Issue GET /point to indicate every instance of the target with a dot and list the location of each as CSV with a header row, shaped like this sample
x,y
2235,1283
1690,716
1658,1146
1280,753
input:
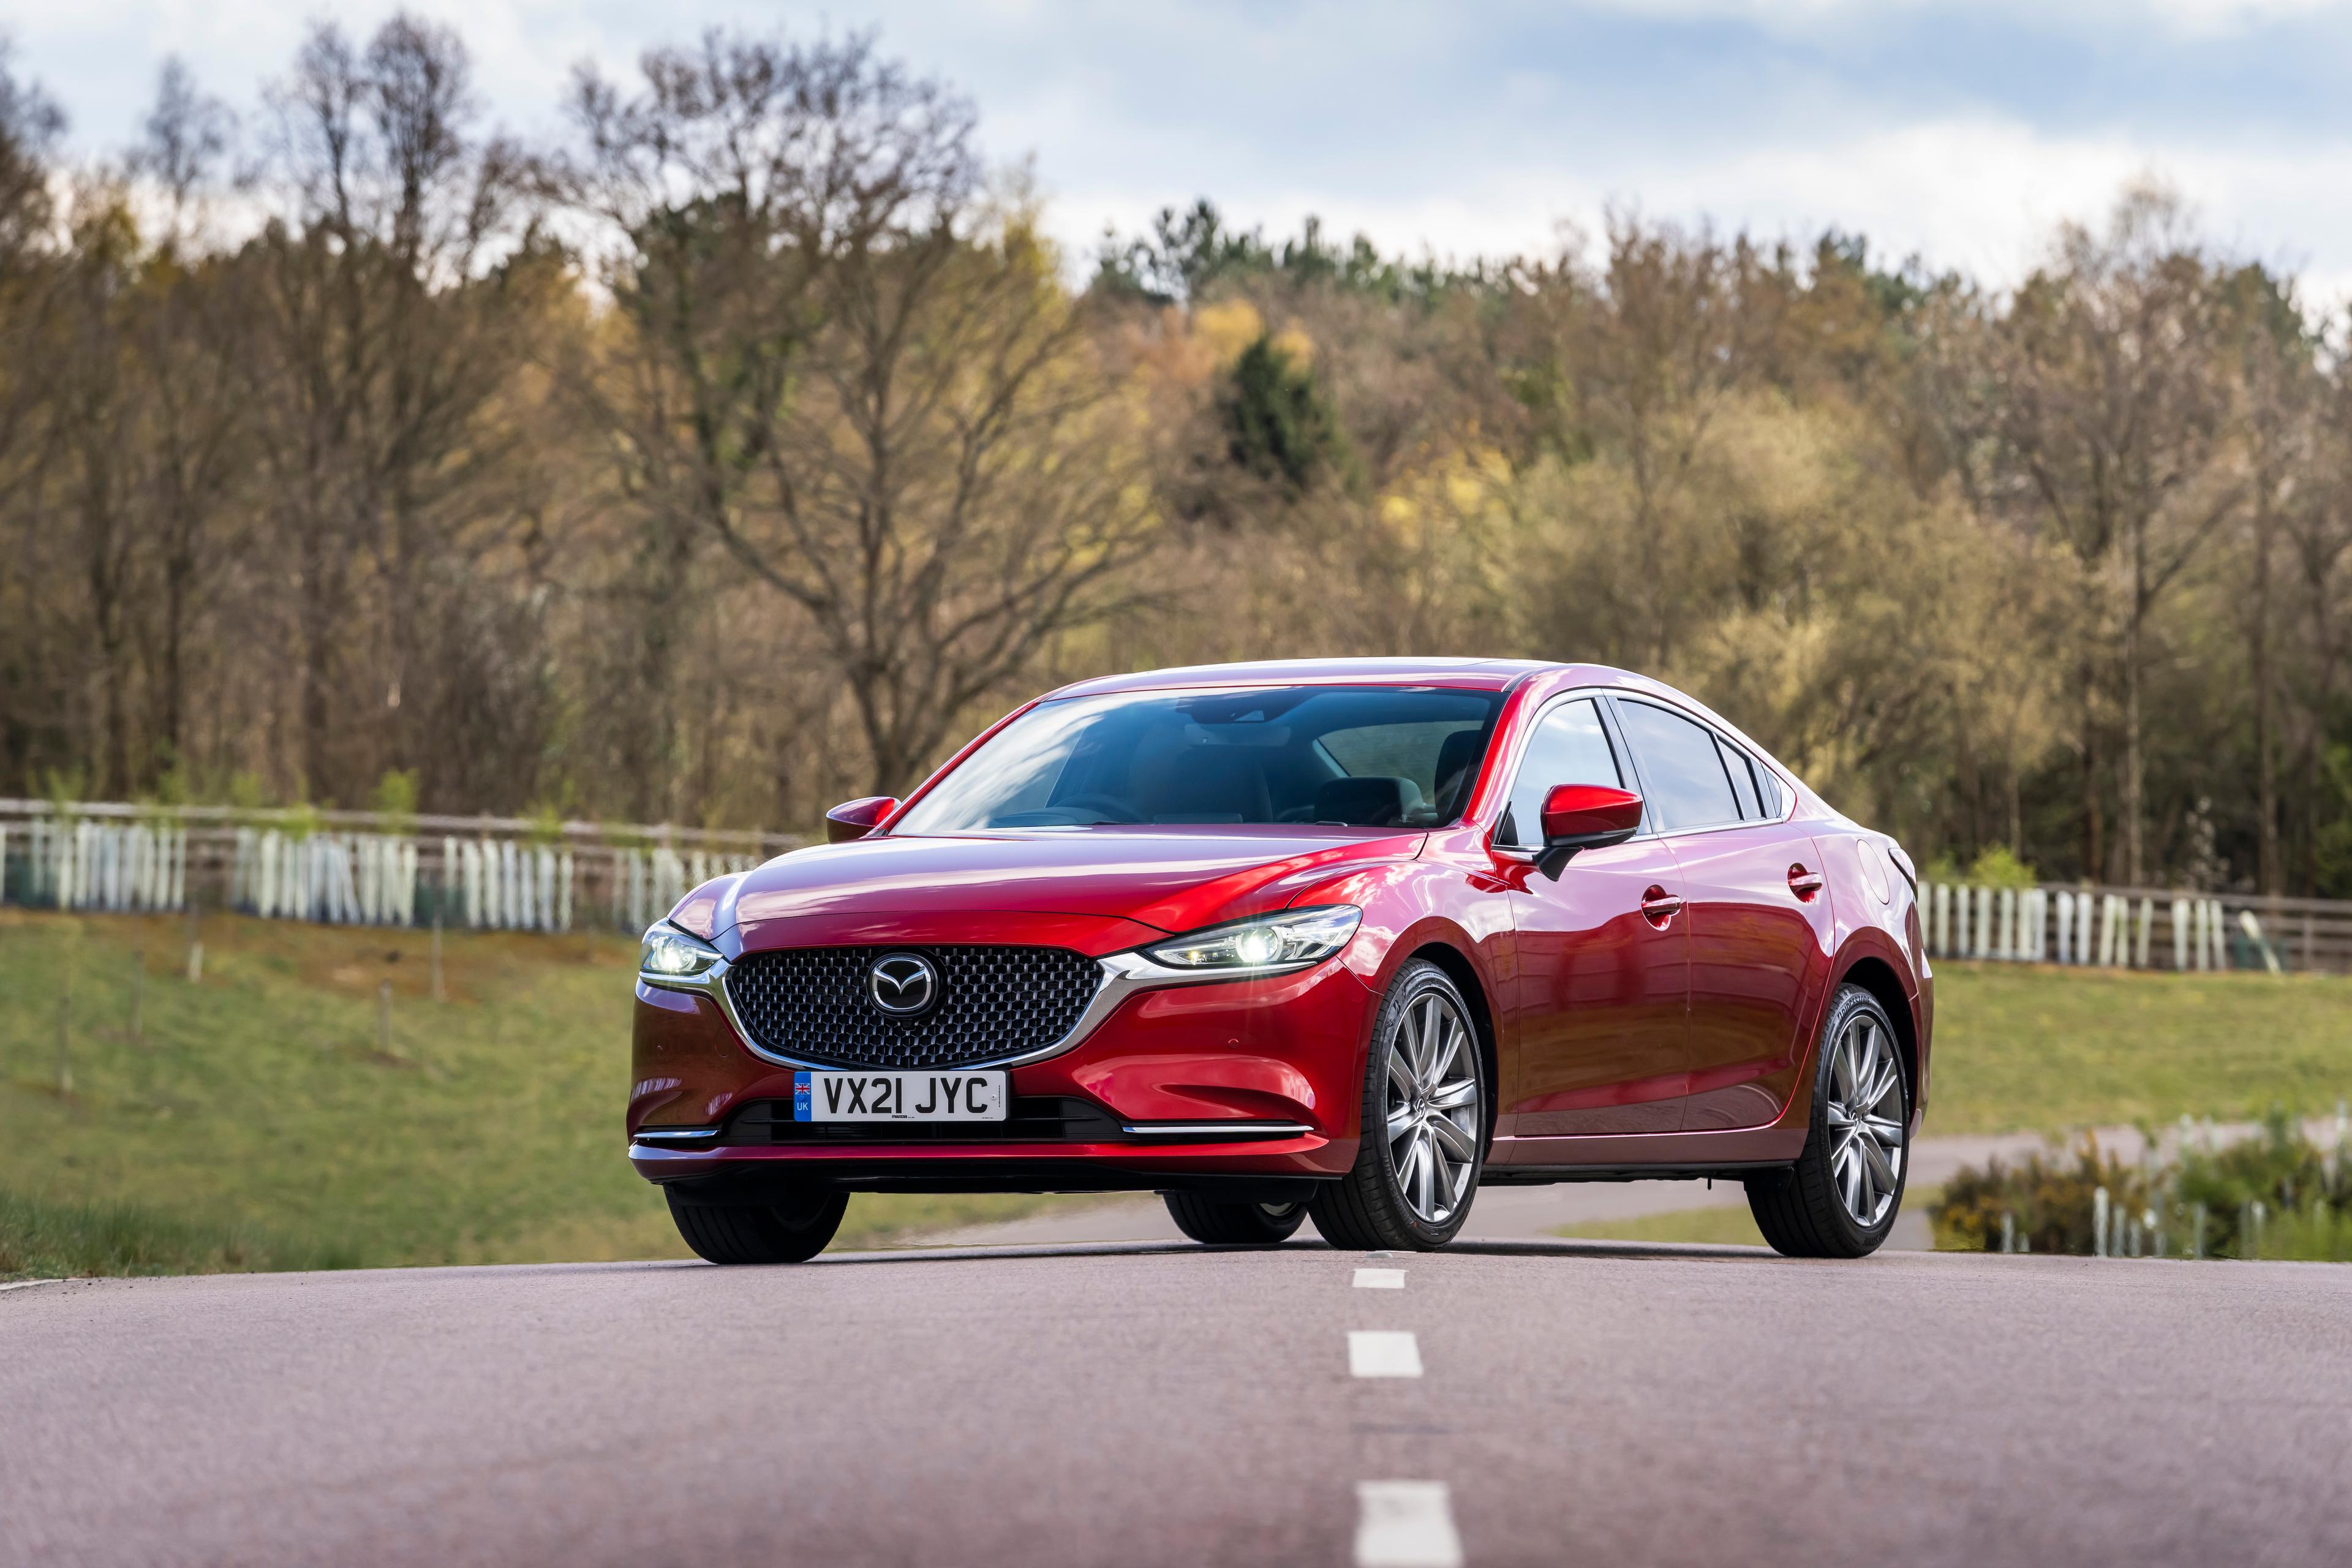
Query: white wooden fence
x,y
2126,928
495,874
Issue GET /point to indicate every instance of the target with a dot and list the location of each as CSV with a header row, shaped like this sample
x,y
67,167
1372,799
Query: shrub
x,y
2304,1193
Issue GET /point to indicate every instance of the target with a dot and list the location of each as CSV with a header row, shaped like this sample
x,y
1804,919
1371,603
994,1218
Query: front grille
x,y
1034,1119
812,1003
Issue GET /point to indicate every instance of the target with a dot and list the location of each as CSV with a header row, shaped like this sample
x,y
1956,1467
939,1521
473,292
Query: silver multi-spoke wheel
x,y
1433,1115
1865,1120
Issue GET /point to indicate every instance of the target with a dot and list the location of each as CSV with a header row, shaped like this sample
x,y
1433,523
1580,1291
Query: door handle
x,y
1659,907
1804,883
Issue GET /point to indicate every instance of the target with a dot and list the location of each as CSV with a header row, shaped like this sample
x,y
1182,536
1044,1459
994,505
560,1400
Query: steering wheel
x,y
1109,807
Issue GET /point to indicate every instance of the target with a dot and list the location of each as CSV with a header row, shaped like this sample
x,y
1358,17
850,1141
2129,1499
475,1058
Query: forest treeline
x,y
747,444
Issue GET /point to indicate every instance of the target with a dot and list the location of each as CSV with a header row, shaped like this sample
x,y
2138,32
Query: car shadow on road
x,y
1638,1251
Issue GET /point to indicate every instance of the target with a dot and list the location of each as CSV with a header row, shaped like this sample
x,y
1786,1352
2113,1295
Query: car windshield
x,y
1353,756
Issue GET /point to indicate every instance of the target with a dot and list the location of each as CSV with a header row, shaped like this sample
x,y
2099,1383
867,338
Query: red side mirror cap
x,y
1586,816
856,819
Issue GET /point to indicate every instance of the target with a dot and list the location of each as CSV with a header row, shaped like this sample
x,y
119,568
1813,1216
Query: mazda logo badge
x,y
902,983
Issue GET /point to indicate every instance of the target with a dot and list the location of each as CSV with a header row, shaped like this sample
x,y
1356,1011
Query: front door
x,y
1599,986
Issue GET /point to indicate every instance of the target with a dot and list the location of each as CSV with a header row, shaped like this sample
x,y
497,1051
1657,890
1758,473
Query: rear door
x,y
1599,986
1756,905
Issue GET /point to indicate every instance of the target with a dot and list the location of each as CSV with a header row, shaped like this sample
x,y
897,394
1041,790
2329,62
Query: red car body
x,y
1650,1011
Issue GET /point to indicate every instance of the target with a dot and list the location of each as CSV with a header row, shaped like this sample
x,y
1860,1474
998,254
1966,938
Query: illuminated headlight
x,y
671,952
1278,941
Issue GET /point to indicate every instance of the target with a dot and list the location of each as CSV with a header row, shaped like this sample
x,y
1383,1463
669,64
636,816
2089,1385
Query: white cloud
x,y
1961,130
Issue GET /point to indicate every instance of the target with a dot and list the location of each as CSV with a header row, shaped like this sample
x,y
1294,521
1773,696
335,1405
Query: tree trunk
x,y
2269,869
2135,759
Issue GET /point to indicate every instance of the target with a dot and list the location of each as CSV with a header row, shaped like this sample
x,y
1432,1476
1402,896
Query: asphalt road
x,y
1576,1402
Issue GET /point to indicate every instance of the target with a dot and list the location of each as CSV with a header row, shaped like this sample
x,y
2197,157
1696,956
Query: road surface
x,y
1551,1403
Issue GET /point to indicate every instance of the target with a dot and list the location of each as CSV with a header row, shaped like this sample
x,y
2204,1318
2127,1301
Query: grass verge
x,y
2036,1048
257,1120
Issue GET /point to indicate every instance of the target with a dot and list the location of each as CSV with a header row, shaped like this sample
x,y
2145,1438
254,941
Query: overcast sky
x,y
1958,130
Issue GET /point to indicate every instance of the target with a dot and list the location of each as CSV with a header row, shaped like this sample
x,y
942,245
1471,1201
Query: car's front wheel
x,y
1424,1112
1233,1225
1840,1198
792,1230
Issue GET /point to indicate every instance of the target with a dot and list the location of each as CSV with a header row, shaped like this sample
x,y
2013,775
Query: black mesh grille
x,y
1041,1119
812,1003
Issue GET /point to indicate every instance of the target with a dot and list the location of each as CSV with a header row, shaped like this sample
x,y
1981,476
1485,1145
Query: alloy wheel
x,y
1434,1114
1865,1121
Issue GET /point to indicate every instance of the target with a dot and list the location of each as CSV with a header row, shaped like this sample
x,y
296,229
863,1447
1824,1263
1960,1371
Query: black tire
x,y
793,1231
1233,1225
1807,1209
1369,1208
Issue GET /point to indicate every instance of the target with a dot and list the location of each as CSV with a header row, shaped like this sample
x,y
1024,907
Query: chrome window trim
x,y
1123,975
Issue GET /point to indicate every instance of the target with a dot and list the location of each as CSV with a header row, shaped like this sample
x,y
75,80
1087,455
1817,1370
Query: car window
x,y
1687,784
1568,746
1349,756
1743,781
1767,790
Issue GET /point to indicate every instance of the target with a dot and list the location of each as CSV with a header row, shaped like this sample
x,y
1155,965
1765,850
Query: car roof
x,y
1469,674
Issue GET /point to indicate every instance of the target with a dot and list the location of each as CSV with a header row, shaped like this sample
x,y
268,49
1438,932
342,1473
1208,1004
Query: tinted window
x,y
1357,756
1743,783
1767,790
1687,784
1568,747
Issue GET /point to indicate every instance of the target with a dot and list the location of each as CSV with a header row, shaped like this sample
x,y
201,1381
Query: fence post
x,y
2145,926
2099,1222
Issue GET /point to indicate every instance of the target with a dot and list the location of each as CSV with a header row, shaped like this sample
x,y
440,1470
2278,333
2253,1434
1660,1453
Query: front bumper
x,y
1202,1085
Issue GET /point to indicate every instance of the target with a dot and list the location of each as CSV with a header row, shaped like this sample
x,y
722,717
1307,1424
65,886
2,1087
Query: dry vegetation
x,y
743,449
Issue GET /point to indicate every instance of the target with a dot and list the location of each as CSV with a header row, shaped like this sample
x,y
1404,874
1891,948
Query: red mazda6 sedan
x,y
1347,939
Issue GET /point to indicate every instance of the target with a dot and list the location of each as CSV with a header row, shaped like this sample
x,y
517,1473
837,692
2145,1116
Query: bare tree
x,y
392,305
2116,405
857,377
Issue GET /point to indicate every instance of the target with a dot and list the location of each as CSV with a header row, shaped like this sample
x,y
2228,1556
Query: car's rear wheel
x,y
1841,1197
792,1230
1233,1225
1424,1113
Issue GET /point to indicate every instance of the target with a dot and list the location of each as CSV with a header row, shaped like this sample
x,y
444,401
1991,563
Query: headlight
x,y
1277,942
671,952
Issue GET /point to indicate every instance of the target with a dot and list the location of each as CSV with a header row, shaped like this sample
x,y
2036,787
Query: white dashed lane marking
x,y
1382,1353
1379,1279
1405,1524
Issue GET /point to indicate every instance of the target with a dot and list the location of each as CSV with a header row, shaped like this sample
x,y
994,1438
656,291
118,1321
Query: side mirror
x,y
1585,816
855,819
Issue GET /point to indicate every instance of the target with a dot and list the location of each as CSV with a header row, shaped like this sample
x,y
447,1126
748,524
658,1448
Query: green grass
x,y
1720,1226
50,1240
255,1123
2033,1048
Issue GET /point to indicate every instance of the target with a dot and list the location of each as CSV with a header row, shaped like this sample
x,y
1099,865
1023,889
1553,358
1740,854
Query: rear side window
x,y
1688,784
1568,746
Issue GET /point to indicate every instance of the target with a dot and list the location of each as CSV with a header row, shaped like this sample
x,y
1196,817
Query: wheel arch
x,y
1874,973
1467,979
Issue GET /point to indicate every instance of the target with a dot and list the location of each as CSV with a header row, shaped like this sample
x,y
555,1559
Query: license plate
x,y
897,1097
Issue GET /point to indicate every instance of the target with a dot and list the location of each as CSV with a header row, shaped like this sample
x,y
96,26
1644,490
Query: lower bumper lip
x,y
666,1137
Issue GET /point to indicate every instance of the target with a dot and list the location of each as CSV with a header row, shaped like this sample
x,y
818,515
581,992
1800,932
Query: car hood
x,y
1154,879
